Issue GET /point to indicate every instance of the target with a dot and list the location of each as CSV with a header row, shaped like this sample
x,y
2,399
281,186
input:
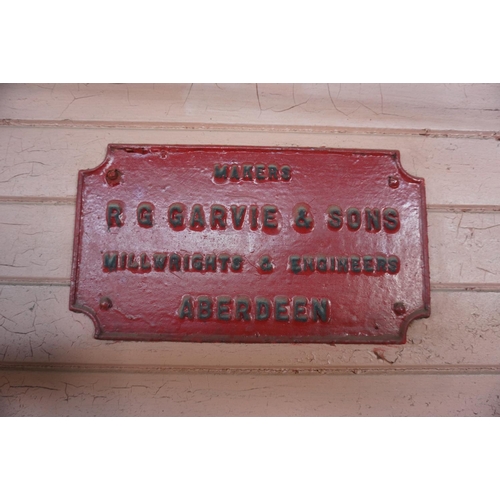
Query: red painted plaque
x,y
246,244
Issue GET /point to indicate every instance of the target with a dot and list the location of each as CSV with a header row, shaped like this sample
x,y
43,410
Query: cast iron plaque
x,y
246,244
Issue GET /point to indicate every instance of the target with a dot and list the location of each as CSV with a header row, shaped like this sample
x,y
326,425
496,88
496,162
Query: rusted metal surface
x,y
242,244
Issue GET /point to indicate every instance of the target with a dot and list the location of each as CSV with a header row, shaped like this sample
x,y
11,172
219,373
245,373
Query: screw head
x,y
399,308
393,182
113,176
105,303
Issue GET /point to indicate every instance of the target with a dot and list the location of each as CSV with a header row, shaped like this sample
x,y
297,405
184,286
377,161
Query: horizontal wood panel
x,y
45,162
38,240
26,393
36,326
415,106
464,247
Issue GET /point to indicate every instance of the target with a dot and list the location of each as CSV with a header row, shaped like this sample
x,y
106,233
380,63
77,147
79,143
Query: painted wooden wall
x,y
50,363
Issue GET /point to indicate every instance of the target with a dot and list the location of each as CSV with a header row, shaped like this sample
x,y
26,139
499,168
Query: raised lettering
x,y
302,218
368,264
280,310
319,310
159,261
238,213
372,219
235,174
197,262
204,307
321,264
253,217
334,220
247,172
174,263
332,263
269,213
263,309
381,264
266,264
145,214
223,312
308,263
145,262
342,264
286,172
217,217
391,219
123,260
223,259
295,264
273,172
114,214
176,216
393,264
210,263
355,264
132,264
241,309
186,308
197,222
109,261
299,309
236,263
353,218
220,172
260,172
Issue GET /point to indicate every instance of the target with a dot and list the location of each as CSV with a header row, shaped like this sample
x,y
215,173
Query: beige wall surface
x,y
50,364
